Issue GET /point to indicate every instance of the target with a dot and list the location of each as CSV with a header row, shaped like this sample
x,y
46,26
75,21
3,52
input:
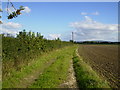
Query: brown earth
x,y
103,59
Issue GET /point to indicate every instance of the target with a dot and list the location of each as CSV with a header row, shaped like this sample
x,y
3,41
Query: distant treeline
x,y
97,42
26,46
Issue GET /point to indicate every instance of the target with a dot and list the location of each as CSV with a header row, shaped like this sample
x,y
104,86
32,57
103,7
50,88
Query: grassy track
x,y
86,77
57,71
53,76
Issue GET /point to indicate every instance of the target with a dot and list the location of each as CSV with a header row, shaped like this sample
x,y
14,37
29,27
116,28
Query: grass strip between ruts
x,y
53,76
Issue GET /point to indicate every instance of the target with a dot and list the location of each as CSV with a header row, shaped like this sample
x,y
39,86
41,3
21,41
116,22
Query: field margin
x,y
85,75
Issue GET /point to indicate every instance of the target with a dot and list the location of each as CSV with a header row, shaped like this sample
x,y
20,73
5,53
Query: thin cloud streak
x,y
93,13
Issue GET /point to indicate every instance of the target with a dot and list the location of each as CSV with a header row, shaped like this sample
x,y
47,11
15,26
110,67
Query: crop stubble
x,y
103,59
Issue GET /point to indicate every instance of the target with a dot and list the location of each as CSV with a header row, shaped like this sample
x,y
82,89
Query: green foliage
x,y
20,50
71,41
22,8
1,10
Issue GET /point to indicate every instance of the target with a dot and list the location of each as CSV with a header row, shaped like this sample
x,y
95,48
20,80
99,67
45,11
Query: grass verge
x,y
86,77
57,73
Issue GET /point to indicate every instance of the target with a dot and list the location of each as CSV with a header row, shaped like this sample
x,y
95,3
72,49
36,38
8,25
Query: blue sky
x,y
53,19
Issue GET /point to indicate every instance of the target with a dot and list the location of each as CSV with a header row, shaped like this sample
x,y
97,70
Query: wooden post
x,y
72,36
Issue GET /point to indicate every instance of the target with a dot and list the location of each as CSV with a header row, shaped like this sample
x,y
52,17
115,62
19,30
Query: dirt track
x,y
28,80
103,59
71,79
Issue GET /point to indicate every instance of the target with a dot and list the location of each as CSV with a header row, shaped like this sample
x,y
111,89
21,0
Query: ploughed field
x,y
103,59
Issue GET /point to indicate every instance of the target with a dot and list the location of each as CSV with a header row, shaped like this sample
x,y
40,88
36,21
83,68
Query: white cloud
x,y
93,30
27,9
10,28
11,25
4,30
93,13
83,13
54,36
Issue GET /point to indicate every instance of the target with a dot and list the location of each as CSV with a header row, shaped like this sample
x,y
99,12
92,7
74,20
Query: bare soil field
x,y
103,59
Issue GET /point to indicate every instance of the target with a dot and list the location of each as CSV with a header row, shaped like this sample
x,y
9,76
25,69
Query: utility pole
x,y
72,36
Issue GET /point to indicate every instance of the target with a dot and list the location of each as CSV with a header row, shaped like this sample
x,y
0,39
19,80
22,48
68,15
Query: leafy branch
x,y
16,13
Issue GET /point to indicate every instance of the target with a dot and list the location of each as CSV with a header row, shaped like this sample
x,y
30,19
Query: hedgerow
x,y
25,47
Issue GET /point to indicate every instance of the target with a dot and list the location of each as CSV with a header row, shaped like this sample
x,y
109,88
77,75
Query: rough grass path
x,y
71,79
57,73
28,80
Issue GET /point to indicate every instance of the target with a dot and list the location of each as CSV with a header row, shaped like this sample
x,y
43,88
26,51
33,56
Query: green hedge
x,y
26,46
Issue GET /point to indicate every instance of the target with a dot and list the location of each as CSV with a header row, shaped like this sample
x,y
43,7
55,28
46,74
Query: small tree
x,y
58,39
71,41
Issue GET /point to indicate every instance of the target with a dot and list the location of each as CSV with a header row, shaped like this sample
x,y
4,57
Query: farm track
x,y
28,80
71,79
103,59
59,74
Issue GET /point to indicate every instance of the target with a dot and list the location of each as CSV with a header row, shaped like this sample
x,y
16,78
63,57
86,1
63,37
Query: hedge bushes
x,y
20,50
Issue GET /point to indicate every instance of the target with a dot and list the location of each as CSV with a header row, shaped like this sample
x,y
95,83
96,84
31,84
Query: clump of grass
x,y
86,77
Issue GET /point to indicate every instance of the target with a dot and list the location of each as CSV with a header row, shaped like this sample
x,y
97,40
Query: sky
x,y
87,20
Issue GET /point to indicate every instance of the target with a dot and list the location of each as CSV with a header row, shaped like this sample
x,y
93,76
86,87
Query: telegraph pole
x,y
72,36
